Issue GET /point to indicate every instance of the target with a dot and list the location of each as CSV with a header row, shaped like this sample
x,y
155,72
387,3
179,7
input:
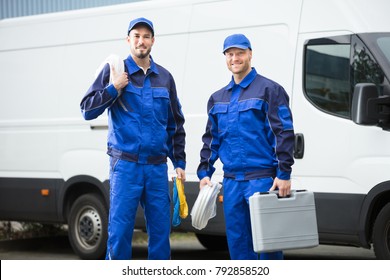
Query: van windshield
x,y
379,45
384,45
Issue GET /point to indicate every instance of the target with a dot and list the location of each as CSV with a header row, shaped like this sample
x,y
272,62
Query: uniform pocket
x,y
285,118
252,114
130,99
161,105
219,113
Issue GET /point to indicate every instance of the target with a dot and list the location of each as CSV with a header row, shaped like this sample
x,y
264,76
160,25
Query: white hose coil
x,y
115,62
205,206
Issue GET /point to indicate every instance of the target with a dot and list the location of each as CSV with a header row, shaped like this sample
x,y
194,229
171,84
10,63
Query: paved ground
x,y
184,247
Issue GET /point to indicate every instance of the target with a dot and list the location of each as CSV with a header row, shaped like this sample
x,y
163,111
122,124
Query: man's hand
x,y
205,181
181,174
284,186
119,80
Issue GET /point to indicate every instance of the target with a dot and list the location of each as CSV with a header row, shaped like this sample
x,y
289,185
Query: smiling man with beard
x,y
145,127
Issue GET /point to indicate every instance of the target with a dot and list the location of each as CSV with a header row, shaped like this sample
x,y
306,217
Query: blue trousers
x,y
237,218
132,184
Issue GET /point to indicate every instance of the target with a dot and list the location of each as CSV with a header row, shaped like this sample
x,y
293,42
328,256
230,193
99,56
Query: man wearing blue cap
x,y
145,127
250,129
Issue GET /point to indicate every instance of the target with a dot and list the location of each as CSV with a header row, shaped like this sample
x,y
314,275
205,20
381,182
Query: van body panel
x,y
311,48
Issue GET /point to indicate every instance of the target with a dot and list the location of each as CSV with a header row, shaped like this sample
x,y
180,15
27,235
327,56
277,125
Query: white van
x,y
332,57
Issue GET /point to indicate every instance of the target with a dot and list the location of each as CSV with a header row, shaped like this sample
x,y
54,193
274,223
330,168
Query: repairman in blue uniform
x,y
145,127
250,129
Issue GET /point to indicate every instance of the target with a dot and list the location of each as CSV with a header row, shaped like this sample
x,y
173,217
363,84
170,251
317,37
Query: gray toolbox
x,y
283,223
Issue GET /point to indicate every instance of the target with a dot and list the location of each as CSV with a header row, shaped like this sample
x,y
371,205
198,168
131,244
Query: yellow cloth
x,y
183,213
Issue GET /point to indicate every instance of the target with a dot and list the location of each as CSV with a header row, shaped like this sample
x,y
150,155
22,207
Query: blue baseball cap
x,y
236,41
142,21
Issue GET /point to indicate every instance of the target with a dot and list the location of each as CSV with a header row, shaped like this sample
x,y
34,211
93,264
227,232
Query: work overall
x,y
145,127
130,184
250,129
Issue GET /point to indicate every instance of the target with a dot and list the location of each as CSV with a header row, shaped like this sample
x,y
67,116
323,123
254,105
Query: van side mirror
x,y
362,93
368,108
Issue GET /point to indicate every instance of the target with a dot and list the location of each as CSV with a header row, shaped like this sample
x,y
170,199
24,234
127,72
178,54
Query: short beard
x,y
142,55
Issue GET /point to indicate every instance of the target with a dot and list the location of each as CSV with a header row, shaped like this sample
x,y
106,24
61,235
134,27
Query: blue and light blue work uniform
x,y
145,126
250,129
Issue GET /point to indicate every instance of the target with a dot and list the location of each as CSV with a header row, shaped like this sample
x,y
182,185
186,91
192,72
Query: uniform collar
x,y
246,81
132,67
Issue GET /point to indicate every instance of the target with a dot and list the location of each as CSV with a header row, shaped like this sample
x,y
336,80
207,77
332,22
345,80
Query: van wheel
x,y
87,224
213,242
381,234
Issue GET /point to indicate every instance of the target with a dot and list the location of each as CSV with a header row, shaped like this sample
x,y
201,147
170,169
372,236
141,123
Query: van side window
x,y
333,66
327,78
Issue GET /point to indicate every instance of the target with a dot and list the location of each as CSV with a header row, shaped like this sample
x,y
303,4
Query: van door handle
x,y
299,146
99,127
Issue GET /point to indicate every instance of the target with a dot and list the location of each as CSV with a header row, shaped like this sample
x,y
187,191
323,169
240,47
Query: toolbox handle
x,y
281,197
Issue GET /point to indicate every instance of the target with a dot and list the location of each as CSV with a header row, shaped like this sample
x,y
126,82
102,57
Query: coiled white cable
x,y
115,62
205,206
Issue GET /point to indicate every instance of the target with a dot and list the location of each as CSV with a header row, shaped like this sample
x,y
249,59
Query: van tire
x,y
213,242
88,223
381,234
